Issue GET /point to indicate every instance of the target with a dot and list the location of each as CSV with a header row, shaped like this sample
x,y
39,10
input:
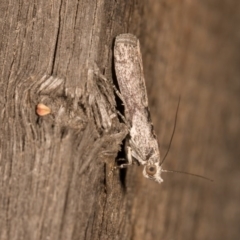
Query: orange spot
x,y
42,109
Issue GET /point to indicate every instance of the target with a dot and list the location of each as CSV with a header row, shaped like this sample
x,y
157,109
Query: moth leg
x,y
118,93
124,165
124,120
129,159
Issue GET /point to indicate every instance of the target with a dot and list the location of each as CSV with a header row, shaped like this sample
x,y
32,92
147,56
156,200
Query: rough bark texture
x,y
56,180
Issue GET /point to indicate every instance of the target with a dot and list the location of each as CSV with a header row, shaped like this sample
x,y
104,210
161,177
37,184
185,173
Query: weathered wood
x,y
55,173
55,169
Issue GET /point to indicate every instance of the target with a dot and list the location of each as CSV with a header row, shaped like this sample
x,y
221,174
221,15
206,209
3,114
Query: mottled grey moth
x,y
141,144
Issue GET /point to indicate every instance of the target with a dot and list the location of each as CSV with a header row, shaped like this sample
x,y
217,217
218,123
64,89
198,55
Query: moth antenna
x,y
175,123
195,175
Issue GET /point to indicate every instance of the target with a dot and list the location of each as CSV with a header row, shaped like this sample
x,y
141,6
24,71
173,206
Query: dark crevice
x,y
122,177
121,158
64,132
23,143
119,103
56,40
105,178
104,200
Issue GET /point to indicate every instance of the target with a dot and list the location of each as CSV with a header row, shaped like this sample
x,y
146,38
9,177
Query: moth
x,y
141,144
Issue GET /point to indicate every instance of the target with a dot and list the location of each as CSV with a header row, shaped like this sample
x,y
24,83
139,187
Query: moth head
x,y
153,171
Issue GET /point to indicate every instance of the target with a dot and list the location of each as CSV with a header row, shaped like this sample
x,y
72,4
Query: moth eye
x,y
151,170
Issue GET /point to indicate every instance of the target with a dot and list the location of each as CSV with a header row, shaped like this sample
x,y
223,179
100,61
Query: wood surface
x,y
55,170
